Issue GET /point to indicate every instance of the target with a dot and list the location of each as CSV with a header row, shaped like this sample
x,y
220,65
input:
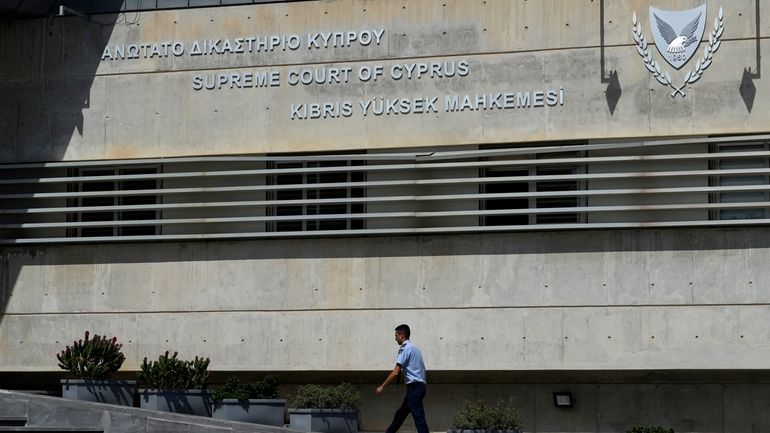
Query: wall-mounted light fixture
x,y
563,399
64,11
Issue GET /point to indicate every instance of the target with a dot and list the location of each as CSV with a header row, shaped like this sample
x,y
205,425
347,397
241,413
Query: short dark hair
x,y
404,328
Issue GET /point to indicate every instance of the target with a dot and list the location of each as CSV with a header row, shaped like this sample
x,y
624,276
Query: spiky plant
x,y
95,358
168,372
235,388
650,429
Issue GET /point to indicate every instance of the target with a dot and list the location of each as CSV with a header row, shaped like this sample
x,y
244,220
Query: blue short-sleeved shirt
x,y
410,359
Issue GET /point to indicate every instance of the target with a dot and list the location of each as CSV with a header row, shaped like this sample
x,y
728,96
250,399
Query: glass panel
x,y
86,232
741,197
96,216
506,203
741,180
557,202
740,163
737,214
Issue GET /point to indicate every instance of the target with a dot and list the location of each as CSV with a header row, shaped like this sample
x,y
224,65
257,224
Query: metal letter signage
x,y
677,36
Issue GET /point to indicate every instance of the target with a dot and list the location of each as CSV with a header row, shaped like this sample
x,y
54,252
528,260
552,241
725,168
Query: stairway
x,y
19,424
24,412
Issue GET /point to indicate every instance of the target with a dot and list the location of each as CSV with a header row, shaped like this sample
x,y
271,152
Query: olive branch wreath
x,y
663,77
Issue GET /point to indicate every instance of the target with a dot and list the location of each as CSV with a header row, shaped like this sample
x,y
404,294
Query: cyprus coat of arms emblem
x,y
677,35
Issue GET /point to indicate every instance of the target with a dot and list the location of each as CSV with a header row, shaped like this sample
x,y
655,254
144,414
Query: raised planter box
x,y
267,412
120,392
187,401
324,420
482,431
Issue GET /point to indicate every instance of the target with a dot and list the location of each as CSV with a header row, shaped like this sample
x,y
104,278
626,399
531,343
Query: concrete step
x,y
57,411
30,429
13,421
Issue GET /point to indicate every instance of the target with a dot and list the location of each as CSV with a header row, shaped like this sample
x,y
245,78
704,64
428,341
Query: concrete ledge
x,y
12,421
50,429
48,413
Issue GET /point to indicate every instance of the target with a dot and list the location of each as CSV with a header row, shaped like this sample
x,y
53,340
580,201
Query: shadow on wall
x,y
584,241
748,90
47,69
7,279
14,259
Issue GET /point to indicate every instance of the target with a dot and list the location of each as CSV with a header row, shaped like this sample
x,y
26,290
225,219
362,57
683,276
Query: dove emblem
x,y
678,33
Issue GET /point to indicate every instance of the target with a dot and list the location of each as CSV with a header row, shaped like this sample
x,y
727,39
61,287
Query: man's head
x,y
402,333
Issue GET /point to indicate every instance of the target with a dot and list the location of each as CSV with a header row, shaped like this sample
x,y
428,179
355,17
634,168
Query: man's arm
x,y
391,377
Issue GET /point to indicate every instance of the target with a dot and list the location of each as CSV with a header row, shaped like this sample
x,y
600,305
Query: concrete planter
x,y
483,431
267,412
120,392
187,401
324,420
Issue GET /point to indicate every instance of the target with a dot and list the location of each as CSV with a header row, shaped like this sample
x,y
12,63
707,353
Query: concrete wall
x,y
497,316
553,301
605,408
61,101
609,301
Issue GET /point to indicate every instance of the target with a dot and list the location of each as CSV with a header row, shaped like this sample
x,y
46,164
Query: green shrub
x,y
95,358
343,396
479,415
267,388
168,372
650,429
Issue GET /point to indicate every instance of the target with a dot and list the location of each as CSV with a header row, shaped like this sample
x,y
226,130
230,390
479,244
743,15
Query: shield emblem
x,y
678,34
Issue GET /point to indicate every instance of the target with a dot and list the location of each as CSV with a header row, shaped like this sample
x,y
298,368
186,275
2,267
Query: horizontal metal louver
x,y
662,183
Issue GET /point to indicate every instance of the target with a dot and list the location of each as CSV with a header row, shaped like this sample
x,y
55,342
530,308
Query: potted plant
x,y
93,361
175,385
255,402
479,416
650,429
325,409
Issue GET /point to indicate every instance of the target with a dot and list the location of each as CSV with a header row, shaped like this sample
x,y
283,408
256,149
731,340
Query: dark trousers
x,y
415,392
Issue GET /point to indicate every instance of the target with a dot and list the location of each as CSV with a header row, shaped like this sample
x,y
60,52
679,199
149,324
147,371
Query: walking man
x,y
409,361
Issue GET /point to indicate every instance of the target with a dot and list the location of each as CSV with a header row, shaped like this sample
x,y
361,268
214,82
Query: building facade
x,y
553,199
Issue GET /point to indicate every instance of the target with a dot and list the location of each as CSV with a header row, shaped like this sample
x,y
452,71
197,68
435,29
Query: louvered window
x,y
746,181
320,191
106,207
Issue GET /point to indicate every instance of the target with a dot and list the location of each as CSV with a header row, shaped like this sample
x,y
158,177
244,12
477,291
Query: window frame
x,y
116,185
